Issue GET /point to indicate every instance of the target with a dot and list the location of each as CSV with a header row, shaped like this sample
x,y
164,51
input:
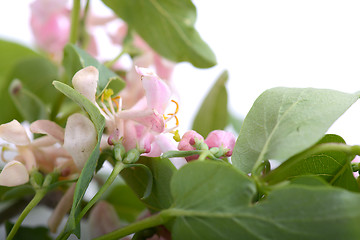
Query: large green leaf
x,y
213,200
213,113
90,166
36,75
162,170
285,121
75,59
11,53
168,27
333,166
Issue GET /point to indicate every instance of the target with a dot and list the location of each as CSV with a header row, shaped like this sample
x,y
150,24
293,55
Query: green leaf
x,y
168,27
214,201
36,75
332,166
162,170
27,103
126,203
29,233
8,193
75,59
285,121
213,113
90,166
11,53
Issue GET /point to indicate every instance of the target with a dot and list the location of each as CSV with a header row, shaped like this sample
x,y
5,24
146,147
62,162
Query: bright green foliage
x,y
214,201
75,59
168,27
285,121
213,113
162,170
90,166
334,167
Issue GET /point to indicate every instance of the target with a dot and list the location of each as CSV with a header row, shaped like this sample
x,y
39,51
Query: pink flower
x,y
221,139
65,151
50,23
140,125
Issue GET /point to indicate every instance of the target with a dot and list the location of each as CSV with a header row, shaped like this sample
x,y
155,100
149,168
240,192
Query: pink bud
x,y
187,141
219,138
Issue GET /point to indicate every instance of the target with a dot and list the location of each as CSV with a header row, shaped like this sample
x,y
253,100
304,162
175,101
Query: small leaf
x,y
162,170
213,113
213,201
168,27
285,121
75,59
90,166
334,167
27,103
7,193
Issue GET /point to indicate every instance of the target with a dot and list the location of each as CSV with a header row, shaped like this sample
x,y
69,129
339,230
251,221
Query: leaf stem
x,y
153,221
112,62
40,193
74,22
116,170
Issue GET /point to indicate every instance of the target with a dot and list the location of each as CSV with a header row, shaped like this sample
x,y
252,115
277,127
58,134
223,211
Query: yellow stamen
x,y
165,117
116,103
108,93
177,106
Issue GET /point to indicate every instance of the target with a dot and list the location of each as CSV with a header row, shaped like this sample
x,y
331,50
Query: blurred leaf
x,y
36,75
90,166
75,59
168,27
127,205
213,201
334,167
7,193
235,122
29,233
213,113
162,170
285,121
11,53
28,104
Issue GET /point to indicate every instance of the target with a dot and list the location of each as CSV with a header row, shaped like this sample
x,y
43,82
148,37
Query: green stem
x,y
83,39
153,221
116,170
112,62
321,148
75,22
40,193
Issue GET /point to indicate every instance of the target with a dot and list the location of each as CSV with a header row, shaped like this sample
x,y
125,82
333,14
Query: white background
x,y
263,44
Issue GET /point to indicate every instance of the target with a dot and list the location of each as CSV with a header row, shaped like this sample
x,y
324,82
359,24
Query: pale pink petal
x,y
164,68
49,128
80,138
103,219
148,118
44,141
61,209
14,132
13,174
188,139
85,82
28,157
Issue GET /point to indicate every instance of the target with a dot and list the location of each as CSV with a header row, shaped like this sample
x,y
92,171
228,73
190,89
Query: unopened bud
x,y
132,156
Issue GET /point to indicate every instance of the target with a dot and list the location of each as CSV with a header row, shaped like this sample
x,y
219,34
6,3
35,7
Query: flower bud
x,y
13,174
187,141
132,156
221,139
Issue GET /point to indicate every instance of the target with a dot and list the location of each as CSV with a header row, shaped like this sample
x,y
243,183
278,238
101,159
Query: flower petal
x,y
49,128
14,132
80,138
220,138
14,174
85,82
157,92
